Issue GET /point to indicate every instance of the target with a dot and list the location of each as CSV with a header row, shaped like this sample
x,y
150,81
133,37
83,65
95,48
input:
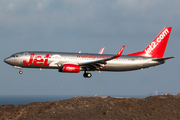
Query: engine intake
x,y
70,68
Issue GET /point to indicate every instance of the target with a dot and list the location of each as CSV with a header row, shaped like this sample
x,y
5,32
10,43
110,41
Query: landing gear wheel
x,y
20,72
87,75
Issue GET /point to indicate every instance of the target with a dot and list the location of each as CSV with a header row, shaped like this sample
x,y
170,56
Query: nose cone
x,y
7,60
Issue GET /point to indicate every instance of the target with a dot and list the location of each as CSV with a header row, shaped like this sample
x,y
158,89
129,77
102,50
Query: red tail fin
x,y
157,47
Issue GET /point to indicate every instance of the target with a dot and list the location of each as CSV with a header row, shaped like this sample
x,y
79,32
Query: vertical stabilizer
x,y
157,47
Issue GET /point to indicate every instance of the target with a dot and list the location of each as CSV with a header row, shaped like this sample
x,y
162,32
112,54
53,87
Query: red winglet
x,y
120,51
102,50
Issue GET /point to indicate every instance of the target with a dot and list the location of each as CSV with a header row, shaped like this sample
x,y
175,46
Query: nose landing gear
x,y
17,67
20,72
87,74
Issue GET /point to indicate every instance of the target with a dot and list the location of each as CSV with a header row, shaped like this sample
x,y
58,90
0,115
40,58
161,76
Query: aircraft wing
x,y
97,63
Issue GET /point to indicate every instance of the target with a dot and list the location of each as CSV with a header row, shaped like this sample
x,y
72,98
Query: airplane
x,y
151,56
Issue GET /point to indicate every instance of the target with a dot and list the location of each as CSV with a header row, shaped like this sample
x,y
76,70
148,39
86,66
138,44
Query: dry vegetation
x,y
166,107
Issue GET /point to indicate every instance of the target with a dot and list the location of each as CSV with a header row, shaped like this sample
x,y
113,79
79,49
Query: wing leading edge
x,y
97,63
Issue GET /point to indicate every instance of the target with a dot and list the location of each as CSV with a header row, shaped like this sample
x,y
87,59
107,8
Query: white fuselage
x,y
54,60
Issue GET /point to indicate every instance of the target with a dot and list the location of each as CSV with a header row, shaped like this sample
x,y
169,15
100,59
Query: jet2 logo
x,y
155,43
38,60
56,58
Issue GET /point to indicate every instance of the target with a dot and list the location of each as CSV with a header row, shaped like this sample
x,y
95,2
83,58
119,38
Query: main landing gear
x,y
87,74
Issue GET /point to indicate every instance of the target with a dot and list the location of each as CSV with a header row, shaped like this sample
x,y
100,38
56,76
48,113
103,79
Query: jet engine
x,y
72,68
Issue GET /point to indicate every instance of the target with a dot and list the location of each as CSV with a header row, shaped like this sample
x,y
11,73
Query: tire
x,y
85,75
89,75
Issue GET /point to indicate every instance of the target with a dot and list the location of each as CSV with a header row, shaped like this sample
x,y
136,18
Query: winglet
x,y
102,50
120,51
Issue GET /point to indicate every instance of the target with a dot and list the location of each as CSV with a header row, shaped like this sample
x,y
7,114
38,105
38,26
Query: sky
x,y
87,26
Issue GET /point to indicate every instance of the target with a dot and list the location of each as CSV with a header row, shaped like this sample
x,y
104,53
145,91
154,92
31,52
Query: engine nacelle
x,y
70,68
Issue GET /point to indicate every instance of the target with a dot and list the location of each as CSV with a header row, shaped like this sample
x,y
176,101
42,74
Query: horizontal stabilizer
x,y
162,59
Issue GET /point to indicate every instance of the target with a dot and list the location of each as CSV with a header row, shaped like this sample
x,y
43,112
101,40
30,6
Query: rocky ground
x,y
166,107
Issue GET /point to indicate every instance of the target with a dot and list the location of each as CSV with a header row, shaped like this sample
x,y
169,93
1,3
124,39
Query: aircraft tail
x,y
157,47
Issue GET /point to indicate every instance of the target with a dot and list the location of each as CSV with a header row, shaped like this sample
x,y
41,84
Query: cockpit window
x,y
14,55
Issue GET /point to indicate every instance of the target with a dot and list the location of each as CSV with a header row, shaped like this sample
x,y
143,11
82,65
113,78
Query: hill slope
x,y
110,108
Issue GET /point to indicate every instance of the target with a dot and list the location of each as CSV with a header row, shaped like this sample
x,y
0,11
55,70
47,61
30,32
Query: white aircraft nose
x,y
7,60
